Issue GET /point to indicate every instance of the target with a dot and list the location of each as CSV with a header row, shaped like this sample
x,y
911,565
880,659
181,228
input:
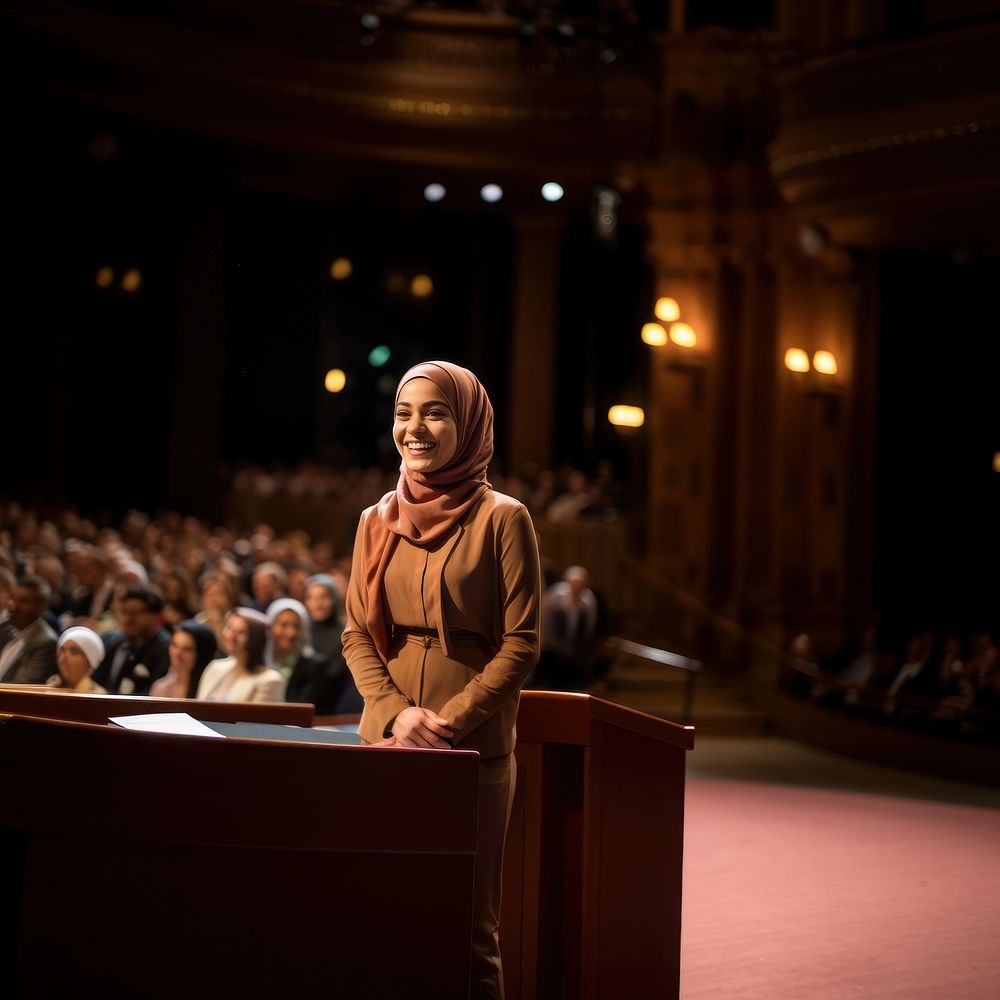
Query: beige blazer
x,y
491,607
264,685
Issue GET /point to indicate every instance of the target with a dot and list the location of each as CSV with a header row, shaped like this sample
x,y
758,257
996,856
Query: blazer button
x,y
427,642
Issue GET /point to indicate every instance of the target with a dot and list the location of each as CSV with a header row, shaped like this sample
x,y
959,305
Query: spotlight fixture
x,y
491,193
551,191
683,335
434,192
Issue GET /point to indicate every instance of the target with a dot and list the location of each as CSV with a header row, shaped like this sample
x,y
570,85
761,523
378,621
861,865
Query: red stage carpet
x,y
805,894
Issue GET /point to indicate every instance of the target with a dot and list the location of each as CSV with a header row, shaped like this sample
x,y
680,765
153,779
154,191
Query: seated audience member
x,y
298,576
30,655
192,648
217,601
569,621
78,651
800,671
325,608
268,583
90,602
138,654
311,677
918,652
7,631
242,674
844,688
50,569
180,601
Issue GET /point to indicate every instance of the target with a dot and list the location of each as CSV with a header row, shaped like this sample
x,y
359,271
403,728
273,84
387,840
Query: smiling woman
x,y
442,614
425,431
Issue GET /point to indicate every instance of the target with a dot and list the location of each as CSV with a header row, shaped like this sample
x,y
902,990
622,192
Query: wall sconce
x,y
825,363
667,310
621,415
796,360
816,376
654,335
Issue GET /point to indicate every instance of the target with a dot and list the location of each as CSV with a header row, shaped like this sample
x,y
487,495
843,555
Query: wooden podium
x,y
592,870
154,866
145,865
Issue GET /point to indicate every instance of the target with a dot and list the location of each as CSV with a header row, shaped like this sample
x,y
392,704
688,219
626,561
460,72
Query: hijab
x,y
88,641
426,506
304,644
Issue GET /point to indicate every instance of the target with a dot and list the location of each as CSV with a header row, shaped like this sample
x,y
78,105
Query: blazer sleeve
x,y
383,700
270,686
520,588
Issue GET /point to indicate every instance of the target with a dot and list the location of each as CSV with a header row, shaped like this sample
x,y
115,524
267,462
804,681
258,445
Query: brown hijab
x,y
426,507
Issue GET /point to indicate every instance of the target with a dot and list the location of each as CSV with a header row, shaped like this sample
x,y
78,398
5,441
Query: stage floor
x,y
812,877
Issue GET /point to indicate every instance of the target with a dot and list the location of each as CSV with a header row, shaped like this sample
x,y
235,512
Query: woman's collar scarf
x,y
426,507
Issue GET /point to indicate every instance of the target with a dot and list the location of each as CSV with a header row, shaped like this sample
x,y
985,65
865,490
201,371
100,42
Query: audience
x,y
310,676
192,648
242,675
931,686
29,656
137,652
78,651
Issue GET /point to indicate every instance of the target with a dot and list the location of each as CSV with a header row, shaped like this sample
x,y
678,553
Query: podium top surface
x,y
569,717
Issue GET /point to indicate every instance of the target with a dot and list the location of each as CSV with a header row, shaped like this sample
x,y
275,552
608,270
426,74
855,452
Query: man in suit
x,y
7,633
140,653
30,656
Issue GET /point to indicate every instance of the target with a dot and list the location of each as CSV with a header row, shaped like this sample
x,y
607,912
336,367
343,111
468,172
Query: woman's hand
x,y
420,727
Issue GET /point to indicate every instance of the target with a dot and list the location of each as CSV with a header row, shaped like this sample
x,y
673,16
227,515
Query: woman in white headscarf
x,y
310,677
78,651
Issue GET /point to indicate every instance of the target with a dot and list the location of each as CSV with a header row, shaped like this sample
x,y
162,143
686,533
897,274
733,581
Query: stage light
x,y
369,25
335,380
825,363
626,416
105,277
667,309
551,191
341,269
131,280
421,286
996,461
491,193
796,360
378,356
683,335
654,335
434,192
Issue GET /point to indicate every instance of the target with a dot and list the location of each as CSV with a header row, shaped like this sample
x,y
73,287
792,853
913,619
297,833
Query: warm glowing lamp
x,y
335,380
132,280
654,335
996,461
105,277
825,363
421,286
667,309
341,268
626,416
683,335
796,360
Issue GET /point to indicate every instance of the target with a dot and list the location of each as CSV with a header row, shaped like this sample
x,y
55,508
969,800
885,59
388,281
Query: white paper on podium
x,y
176,723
